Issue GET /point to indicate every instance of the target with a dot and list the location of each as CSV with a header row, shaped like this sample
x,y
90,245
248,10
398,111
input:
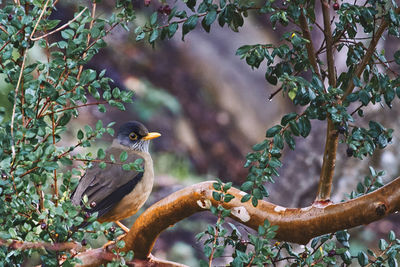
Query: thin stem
x,y
215,239
53,126
60,28
88,38
368,55
329,43
40,17
310,45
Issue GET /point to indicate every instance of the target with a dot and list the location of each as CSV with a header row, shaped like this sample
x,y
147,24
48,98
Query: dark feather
x,y
106,187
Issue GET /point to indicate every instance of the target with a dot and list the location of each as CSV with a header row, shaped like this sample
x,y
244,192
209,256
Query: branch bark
x,y
310,45
296,225
332,136
328,163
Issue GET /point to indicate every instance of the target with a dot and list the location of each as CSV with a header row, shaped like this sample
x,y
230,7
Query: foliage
x,y
38,171
309,81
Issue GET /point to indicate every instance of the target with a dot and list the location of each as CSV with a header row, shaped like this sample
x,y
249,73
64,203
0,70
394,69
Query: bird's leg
x,y
123,227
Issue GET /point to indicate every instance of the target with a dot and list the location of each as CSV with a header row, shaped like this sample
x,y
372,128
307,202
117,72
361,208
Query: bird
x,y
113,192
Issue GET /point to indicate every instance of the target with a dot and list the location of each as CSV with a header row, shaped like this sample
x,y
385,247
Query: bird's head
x,y
135,135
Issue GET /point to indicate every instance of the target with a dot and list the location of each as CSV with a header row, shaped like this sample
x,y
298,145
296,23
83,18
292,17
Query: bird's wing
x,y
106,187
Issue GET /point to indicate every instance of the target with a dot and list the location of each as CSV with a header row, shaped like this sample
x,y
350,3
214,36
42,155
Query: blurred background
x,y
211,108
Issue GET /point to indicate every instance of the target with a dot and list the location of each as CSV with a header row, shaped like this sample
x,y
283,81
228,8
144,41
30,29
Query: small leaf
x,y
246,186
80,135
273,130
216,196
123,156
210,17
189,25
245,198
153,36
288,117
102,165
101,154
362,258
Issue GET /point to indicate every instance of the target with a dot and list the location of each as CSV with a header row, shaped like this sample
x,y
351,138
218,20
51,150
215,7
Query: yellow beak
x,y
150,136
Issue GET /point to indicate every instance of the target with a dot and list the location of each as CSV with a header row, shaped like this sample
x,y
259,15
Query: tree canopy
x,y
39,170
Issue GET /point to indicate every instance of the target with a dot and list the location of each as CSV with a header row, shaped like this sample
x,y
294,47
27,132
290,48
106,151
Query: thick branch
x,y
329,162
96,257
297,225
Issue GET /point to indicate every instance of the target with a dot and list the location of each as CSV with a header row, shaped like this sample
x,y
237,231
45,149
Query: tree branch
x,y
368,55
329,43
297,225
309,46
332,136
328,163
22,245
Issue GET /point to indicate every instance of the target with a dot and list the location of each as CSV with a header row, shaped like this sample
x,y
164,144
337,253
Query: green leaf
x,y
392,236
278,141
254,201
102,165
289,140
216,196
121,244
153,18
397,57
189,25
228,197
210,17
172,28
273,130
101,154
245,198
246,186
99,125
383,244
126,167
392,262
123,156
153,36
288,117
66,161
364,97
362,258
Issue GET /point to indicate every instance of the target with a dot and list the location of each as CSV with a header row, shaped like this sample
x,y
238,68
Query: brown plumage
x,y
114,193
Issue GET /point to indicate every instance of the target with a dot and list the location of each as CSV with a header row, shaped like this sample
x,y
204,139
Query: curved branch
x,y
22,245
297,225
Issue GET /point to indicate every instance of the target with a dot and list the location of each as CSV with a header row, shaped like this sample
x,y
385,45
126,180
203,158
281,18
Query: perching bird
x,y
115,193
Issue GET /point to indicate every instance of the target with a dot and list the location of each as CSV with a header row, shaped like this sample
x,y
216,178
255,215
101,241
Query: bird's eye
x,y
133,136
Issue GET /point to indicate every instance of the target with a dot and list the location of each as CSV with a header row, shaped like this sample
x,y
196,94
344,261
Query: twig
x,y
215,240
368,55
329,43
74,107
53,126
38,21
309,45
4,30
88,38
22,245
60,28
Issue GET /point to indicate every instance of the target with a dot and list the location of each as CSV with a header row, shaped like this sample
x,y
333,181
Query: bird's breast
x,y
133,201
